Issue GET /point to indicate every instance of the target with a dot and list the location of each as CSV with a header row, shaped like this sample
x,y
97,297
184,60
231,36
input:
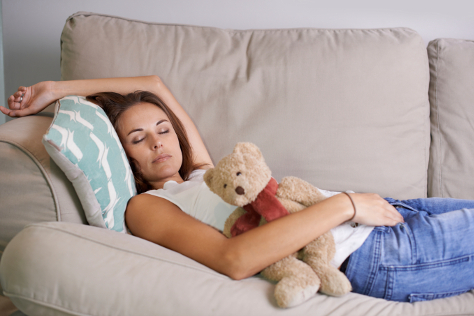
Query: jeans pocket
x,y
419,297
428,281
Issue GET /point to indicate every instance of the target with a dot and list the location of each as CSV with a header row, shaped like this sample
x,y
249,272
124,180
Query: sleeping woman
x,y
410,247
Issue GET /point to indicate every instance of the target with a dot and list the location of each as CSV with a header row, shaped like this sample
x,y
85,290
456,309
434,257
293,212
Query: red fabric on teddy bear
x,y
266,204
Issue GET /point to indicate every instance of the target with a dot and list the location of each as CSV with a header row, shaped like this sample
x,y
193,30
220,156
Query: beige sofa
x,y
364,110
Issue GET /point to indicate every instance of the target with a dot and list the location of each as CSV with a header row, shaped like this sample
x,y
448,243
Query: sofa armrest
x,y
32,187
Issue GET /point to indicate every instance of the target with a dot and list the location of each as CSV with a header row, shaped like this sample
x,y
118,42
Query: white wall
x,y
32,28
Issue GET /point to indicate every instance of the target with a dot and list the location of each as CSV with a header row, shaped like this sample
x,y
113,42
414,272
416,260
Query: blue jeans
x,y
429,256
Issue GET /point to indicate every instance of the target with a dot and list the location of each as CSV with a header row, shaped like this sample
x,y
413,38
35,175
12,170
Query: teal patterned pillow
x,y
83,143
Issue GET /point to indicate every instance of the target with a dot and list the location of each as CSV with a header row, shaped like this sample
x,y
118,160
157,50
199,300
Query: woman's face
x,y
148,137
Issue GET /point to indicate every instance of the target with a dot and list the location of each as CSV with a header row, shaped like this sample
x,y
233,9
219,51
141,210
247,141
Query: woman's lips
x,y
161,158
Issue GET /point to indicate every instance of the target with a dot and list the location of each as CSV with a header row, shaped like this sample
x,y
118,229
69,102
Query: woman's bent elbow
x,y
238,273
234,265
156,81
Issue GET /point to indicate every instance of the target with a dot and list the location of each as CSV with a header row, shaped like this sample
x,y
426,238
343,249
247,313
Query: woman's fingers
x,y
392,220
17,113
15,101
12,102
395,214
390,211
4,110
22,96
18,103
29,100
375,211
391,214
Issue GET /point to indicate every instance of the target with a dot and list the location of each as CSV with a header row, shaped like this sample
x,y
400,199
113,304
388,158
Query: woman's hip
x,y
427,257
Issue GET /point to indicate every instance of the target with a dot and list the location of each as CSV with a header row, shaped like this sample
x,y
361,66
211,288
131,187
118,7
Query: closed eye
x,y
139,140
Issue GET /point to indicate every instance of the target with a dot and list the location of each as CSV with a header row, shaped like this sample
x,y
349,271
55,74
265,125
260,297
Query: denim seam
x,y
405,206
413,244
430,265
389,286
441,294
431,296
374,264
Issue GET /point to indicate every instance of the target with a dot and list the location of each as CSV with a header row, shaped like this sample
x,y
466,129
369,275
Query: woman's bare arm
x,y
33,99
158,220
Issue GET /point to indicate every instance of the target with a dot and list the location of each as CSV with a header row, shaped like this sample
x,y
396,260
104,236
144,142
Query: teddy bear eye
x,y
225,186
239,173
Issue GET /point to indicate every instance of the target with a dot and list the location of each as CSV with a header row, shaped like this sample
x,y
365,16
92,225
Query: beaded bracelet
x,y
353,205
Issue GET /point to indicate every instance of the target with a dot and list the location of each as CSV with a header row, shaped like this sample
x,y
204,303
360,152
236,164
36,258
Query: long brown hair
x,y
115,104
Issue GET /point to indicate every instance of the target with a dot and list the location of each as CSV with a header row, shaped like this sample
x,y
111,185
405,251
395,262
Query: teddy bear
x,y
243,179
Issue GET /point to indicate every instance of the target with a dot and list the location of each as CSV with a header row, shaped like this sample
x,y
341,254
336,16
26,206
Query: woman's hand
x,y
30,100
374,211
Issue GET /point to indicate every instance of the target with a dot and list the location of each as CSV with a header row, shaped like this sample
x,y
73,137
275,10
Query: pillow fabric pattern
x,y
83,143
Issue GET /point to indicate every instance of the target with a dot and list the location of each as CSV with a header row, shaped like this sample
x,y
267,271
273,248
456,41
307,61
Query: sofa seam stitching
x,y
85,13
427,122
50,305
440,174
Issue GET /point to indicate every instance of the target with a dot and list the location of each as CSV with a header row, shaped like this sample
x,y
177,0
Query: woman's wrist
x,y
338,206
57,89
346,207
353,205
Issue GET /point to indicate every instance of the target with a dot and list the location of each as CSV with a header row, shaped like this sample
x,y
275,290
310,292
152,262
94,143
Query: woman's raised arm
x,y
158,220
33,99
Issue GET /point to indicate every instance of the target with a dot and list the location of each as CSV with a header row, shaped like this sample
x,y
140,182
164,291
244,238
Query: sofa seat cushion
x,y
94,271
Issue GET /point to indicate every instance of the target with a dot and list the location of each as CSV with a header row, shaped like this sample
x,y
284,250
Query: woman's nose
x,y
156,143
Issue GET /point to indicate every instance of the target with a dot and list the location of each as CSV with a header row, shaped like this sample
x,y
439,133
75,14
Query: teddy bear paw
x,y
302,296
290,295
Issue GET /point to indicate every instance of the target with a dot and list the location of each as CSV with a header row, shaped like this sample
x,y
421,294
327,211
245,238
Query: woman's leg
x,y
427,257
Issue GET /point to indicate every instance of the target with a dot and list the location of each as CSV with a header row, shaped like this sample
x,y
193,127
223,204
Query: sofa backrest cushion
x,y
451,167
342,109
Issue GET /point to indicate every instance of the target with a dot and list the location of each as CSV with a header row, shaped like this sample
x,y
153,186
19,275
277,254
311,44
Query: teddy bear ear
x,y
208,177
248,149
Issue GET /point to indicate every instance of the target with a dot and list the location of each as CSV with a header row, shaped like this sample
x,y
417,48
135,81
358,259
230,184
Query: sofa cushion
x,y
108,273
342,109
84,144
451,167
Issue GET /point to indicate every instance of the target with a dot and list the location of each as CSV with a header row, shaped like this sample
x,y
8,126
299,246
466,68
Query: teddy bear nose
x,y
240,190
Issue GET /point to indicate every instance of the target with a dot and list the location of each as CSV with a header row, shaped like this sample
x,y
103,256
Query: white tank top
x,y
194,198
